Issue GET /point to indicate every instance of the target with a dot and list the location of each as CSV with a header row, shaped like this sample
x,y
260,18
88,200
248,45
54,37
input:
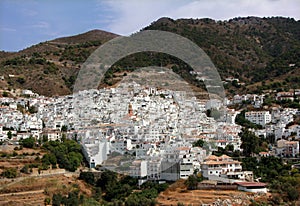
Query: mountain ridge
x,y
50,68
253,49
263,53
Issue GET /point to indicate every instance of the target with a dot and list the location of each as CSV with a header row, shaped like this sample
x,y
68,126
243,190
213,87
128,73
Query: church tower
x,y
130,110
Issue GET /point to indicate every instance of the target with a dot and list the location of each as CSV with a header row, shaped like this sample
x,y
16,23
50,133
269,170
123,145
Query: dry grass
x,y
23,157
178,192
33,190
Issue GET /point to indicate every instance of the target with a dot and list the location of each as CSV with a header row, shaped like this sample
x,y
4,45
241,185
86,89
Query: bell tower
x,y
130,110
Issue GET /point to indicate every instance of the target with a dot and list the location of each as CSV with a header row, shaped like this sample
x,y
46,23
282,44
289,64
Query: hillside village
x,y
150,103
150,133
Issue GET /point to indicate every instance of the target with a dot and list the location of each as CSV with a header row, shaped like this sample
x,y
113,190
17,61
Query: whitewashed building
x,y
287,148
138,168
259,117
95,151
224,167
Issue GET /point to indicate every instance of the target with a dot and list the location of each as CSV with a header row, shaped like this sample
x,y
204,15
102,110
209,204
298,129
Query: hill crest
x,y
263,53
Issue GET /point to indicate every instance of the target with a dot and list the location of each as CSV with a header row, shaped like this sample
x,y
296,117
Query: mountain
x,y
50,68
263,53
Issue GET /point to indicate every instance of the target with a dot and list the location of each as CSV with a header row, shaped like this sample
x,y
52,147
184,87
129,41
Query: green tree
x,y
108,178
241,120
56,199
32,109
45,138
5,94
144,198
25,169
293,194
64,128
9,134
63,137
74,160
97,194
71,200
90,202
28,142
88,177
117,192
49,158
68,153
198,143
229,147
191,182
9,173
250,142
47,201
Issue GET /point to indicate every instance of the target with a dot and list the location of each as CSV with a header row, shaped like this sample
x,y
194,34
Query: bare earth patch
x,y
178,193
34,190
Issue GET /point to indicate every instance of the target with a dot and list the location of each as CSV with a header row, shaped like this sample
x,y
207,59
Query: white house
x,y
154,168
186,167
3,134
121,145
258,117
95,151
224,166
138,168
285,96
52,134
287,148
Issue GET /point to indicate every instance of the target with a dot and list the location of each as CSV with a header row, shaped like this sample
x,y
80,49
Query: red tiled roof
x,y
225,156
183,148
211,157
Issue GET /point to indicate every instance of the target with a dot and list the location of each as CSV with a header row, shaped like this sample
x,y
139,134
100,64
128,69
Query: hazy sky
x,y
27,22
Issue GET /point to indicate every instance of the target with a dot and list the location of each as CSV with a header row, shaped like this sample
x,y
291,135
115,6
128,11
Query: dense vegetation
x,y
198,143
9,173
241,120
251,144
28,142
193,180
233,44
66,154
283,181
112,189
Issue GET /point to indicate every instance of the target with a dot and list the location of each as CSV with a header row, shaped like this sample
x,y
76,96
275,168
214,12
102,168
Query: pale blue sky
x,y
27,22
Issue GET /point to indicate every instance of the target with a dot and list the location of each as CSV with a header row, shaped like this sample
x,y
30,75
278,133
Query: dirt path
x,y
32,190
22,193
19,179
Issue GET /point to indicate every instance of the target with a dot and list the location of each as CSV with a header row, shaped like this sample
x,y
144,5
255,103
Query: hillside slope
x,y
263,53
255,50
50,68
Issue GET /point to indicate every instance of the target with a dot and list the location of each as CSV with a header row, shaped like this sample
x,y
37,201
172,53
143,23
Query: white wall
x,y
262,190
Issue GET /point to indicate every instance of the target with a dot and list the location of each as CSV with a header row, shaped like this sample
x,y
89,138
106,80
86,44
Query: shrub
x,y
9,173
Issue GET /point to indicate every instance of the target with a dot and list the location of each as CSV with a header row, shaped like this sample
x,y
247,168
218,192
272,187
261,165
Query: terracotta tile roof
x,y
212,157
